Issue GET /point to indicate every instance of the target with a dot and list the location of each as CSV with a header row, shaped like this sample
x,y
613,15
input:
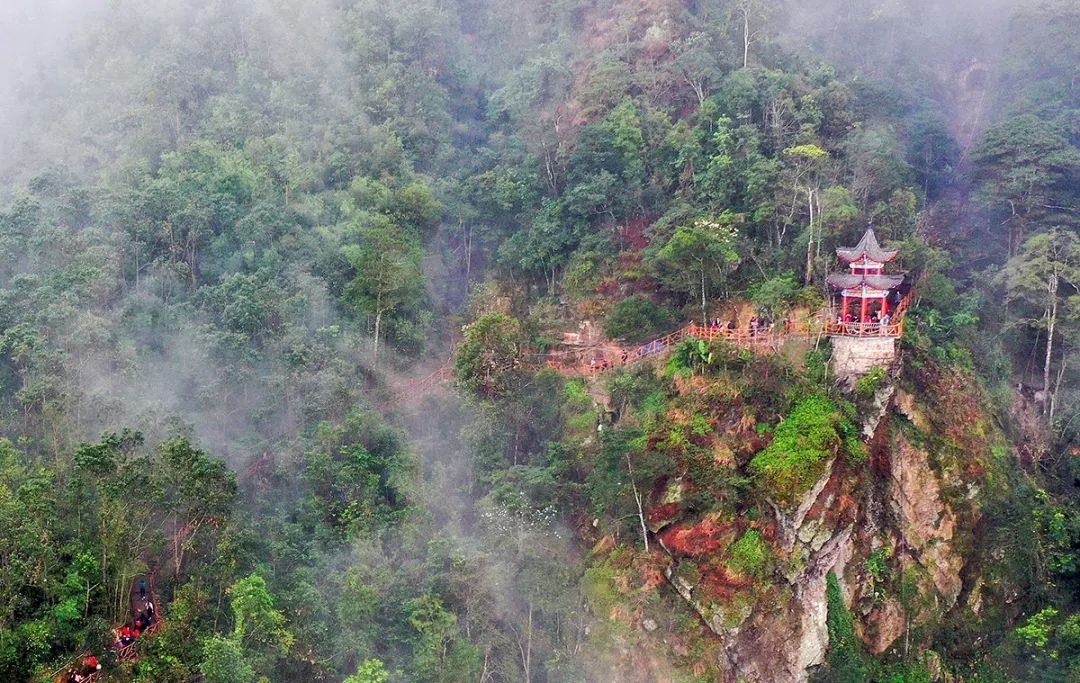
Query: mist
x,y
266,225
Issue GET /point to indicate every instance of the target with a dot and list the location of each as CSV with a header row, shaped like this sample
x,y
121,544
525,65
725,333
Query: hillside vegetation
x,y
245,245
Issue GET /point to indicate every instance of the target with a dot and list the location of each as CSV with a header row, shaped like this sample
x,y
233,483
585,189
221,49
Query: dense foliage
x,y
235,236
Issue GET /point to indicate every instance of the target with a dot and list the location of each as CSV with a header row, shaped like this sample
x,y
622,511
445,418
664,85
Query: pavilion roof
x,y
849,281
868,246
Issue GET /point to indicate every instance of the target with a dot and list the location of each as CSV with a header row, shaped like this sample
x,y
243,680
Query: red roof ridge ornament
x,y
867,249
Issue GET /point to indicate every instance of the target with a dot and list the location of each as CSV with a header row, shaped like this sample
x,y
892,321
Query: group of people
x,y
84,670
145,618
718,324
128,633
758,324
877,323
603,363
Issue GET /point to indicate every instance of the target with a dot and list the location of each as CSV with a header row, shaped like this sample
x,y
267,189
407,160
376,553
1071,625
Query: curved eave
x,y
855,255
878,282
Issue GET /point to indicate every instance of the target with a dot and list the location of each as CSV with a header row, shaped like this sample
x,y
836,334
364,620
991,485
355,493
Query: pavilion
x,y
867,293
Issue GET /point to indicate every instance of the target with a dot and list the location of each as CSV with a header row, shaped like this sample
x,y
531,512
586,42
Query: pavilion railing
x,y
770,338
760,339
844,329
895,328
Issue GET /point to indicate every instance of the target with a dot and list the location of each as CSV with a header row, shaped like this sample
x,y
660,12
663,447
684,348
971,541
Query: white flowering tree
x,y
697,259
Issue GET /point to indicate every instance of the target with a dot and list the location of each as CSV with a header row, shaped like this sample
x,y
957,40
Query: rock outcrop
x,y
876,526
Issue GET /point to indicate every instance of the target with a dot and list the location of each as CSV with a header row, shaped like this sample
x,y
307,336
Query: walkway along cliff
x,y
888,505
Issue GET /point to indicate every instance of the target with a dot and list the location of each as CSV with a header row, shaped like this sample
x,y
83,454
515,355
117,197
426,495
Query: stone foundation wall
x,y
855,356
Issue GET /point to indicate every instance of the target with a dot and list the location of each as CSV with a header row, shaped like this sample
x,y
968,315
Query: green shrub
x,y
847,660
1035,634
775,295
877,564
801,448
637,319
583,272
868,385
490,355
598,585
817,365
855,450
749,555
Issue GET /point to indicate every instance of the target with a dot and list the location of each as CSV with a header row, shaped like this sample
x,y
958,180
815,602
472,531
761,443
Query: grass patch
x,y
802,445
750,555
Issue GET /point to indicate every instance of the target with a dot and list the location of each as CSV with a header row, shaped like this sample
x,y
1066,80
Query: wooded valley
x,y
324,326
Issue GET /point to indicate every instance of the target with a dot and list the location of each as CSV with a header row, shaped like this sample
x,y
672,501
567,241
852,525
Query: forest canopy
x,y
280,281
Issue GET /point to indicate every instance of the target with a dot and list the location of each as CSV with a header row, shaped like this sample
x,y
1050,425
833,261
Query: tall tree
x,y
387,265
1028,170
1046,270
697,259
750,17
806,165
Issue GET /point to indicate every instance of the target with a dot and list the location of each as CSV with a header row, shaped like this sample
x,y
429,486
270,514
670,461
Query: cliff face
x,y
894,530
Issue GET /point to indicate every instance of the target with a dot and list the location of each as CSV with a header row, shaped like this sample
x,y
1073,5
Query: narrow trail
x,y
600,358
138,601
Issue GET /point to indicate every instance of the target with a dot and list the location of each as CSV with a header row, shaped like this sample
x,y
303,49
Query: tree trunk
x,y
528,647
1051,322
704,313
816,205
637,499
746,37
378,324
810,244
1057,385
699,89
467,238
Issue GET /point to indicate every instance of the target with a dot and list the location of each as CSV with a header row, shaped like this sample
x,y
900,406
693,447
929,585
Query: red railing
x,y
771,338
760,339
895,327
865,329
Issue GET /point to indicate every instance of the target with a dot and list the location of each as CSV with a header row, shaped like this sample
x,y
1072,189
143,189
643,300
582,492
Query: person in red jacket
x,y
91,664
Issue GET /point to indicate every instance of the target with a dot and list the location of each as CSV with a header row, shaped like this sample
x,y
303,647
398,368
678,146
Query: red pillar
x,y
862,319
843,310
884,303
